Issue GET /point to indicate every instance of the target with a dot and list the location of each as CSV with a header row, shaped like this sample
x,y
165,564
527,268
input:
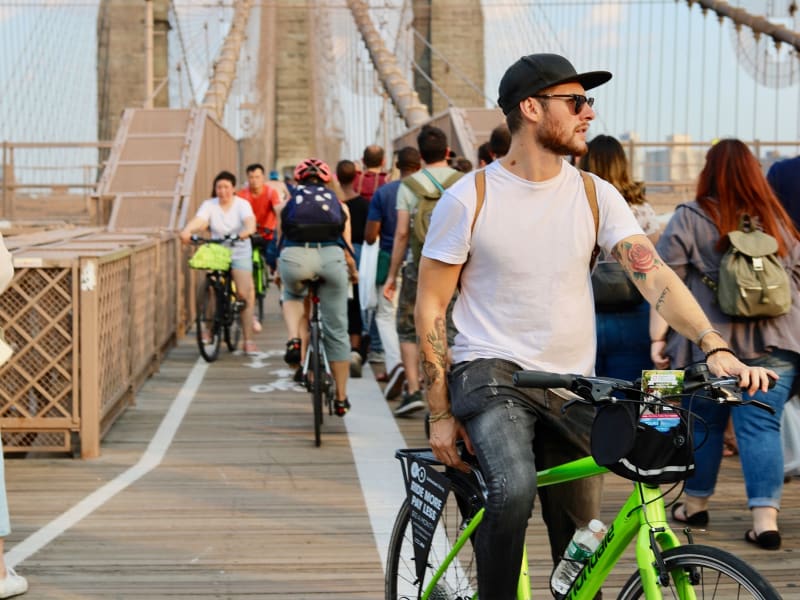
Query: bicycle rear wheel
x,y
208,326
317,384
460,579
704,572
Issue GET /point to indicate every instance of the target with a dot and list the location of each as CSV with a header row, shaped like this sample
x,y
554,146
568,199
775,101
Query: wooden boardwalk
x,y
211,487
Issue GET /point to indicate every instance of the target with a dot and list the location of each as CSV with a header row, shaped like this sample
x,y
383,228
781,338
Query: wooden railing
x,y
90,317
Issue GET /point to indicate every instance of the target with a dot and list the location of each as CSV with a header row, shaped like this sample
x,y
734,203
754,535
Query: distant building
x,y
679,162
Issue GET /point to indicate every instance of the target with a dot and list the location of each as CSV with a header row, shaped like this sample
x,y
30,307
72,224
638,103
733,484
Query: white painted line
x,y
149,460
374,437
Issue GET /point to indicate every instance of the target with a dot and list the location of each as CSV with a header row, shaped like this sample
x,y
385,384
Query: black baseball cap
x,y
533,73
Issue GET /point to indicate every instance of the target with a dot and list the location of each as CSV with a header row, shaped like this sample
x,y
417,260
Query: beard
x,y
559,141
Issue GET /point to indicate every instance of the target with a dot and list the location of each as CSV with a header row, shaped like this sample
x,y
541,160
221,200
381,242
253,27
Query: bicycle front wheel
x,y
208,326
460,578
233,328
317,383
698,571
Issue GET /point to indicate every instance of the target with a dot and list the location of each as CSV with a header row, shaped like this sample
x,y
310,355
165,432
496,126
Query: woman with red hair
x,y
732,186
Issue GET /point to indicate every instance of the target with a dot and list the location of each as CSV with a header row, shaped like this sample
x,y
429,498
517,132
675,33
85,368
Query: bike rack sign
x,y
427,491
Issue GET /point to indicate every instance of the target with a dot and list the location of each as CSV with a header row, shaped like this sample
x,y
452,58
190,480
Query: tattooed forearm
x,y
661,299
429,371
434,366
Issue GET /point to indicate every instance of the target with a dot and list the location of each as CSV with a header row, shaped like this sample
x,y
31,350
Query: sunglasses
x,y
578,99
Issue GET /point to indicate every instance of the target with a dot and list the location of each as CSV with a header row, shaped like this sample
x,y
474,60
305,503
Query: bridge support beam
x,y
121,59
450,30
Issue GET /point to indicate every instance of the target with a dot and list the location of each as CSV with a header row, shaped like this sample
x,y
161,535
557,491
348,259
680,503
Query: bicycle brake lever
x,y
761,405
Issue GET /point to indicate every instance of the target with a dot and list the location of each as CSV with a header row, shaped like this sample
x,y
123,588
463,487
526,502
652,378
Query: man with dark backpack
x,y
416,199
315,243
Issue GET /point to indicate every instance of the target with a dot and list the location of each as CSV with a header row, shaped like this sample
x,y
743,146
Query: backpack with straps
x,y
752,282
427,199
612,288
313,214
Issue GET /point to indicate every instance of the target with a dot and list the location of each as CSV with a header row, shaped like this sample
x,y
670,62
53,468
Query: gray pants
x,y
298,264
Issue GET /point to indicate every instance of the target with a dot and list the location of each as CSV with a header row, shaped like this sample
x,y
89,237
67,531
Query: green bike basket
x,y
211,257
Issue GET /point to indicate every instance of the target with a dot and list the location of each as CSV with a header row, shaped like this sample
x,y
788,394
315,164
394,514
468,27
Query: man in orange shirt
x,y
265,201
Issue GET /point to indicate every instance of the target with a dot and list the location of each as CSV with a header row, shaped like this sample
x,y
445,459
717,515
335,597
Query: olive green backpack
x,y
427,199
752,281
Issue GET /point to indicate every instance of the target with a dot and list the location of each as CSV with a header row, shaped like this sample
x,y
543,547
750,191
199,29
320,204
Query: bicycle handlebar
x,y
600,390
228,239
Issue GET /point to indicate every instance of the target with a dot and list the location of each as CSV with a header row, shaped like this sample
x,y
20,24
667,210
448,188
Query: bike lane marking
x,y
374,437
150,459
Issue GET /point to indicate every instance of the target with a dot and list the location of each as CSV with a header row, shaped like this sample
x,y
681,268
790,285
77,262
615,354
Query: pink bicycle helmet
x,y
312,167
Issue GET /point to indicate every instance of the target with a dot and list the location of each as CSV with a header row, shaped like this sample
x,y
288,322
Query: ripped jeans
x,y
515,432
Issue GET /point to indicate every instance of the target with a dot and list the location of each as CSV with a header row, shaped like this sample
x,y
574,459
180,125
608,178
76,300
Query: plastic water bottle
x,y
580,548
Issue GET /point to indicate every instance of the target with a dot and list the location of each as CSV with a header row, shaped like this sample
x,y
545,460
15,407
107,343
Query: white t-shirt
x,y
526,294
227,222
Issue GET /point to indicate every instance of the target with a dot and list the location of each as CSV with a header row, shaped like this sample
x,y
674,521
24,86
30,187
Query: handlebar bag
x,y
636,450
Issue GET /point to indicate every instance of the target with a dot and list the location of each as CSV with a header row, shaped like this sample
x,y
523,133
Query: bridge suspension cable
x,y
403,95
225,65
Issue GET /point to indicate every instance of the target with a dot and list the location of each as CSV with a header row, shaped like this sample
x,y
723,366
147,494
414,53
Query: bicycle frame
x,y
642,517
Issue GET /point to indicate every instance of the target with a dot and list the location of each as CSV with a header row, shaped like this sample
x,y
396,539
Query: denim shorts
x,y
242,264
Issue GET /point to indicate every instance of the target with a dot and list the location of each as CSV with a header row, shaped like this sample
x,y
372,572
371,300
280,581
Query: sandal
x,y
340,407
767,540
292,355
698,519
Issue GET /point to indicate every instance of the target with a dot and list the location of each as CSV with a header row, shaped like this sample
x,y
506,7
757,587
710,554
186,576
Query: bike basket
x,y
211,257
632,448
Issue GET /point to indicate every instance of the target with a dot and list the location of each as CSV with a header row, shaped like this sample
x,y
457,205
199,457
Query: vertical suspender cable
x,y
719,76
703,82
649,62
777,89
688,67
637,71
675,69
737,69
755,84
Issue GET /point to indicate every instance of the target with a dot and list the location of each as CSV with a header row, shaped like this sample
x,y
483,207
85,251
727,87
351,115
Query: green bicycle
x,y
666,568
260,272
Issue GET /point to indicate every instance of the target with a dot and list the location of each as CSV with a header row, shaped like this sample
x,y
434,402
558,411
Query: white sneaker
x,y
13,584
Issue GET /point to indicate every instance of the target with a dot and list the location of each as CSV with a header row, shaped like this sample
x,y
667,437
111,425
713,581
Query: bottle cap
x,y
596,525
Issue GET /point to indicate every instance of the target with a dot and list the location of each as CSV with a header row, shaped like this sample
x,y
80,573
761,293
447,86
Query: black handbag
x,y
613,291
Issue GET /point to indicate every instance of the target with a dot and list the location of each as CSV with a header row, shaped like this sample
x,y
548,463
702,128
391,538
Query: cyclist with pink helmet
x,y
315,243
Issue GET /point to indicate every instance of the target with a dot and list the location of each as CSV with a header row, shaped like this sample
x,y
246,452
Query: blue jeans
x,y
515,432
758,435
623,343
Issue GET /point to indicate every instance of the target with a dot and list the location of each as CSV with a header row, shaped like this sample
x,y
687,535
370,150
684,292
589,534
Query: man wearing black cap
x,y
526,302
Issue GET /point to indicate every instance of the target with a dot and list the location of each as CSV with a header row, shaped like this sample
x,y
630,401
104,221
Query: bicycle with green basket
x,y
665,566
218,308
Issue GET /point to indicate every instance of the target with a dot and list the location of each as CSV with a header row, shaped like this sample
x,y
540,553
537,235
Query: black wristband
x,y
721,349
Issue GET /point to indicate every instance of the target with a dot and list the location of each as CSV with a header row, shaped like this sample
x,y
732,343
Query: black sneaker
x,y
340,407
298,375
292,355
411,403
395,385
